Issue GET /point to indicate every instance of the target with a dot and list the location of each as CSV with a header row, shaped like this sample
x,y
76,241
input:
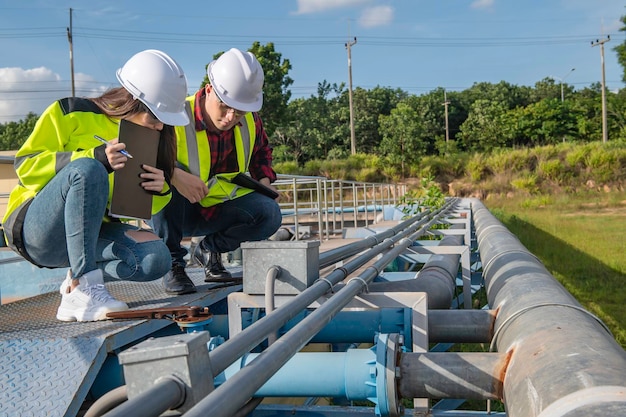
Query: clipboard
x,y
246,181
130,200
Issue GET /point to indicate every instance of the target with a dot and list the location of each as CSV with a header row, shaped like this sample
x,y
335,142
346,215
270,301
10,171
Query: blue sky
x,y
415,45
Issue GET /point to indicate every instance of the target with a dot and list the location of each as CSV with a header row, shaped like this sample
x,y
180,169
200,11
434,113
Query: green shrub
x,y
603,165
442,168
312,167
287,168
357,161
507,160
544,153
368,175
337,153
577,156
427,195
527,183
477,168
553,170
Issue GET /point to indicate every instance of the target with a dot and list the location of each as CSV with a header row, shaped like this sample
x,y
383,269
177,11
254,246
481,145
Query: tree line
x,y
401,128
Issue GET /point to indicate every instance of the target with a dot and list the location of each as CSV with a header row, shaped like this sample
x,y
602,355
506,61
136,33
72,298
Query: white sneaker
x,y
90,301
67,282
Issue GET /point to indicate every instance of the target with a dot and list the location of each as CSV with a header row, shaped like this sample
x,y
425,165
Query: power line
x,y
204,38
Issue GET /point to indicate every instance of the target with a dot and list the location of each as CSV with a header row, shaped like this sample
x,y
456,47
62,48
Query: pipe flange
x,y
387,351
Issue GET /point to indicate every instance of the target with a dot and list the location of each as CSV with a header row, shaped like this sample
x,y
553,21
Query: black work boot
x,y
212,261
215,270
177,282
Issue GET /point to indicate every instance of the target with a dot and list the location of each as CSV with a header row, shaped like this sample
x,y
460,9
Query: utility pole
x,y
69,38
605,134
562,80
349,44
445,104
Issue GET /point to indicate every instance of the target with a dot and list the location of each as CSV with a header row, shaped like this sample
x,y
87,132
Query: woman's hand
x,y
154,179
115,158
189,186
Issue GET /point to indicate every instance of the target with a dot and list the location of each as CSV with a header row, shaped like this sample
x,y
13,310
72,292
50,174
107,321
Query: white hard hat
x,y
155,79
237,79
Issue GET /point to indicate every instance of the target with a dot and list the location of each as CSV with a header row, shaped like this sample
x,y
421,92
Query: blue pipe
x,y
350,374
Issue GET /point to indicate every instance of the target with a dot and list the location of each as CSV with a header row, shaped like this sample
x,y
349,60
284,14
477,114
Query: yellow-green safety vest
x,y
193,148
64,132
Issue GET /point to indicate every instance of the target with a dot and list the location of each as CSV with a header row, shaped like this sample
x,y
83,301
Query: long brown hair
x,y
120,104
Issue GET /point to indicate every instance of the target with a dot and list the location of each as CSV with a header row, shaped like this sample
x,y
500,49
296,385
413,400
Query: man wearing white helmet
x,y
225,138
57,214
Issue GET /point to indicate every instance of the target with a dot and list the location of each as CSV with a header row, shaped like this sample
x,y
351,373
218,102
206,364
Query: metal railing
x,y
334,204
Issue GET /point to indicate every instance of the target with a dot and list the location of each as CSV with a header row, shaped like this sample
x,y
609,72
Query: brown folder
x,y
130,200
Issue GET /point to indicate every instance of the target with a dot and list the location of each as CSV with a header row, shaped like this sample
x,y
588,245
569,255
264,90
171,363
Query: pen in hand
x,y
103,140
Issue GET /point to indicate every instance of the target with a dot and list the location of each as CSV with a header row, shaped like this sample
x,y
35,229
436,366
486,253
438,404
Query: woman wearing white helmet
x,y
57,214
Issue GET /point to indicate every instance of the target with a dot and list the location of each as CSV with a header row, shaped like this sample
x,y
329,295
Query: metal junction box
x,y
186,356
299,263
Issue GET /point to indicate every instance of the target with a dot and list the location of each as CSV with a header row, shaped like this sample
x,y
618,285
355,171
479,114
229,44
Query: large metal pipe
x,y
437,277
564,362
317,374
468,375
460,326
243,342
454,326
227,398
349,375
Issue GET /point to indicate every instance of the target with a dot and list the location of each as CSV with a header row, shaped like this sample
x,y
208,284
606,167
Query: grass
x,y
581,239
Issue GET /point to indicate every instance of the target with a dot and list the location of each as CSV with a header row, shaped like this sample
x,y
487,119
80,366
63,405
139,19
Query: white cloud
x,y
316,6
376,16
482,4
23,91
32,90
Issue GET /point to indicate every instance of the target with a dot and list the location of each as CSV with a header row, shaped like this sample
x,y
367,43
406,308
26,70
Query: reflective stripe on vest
x,y
193,145
193,159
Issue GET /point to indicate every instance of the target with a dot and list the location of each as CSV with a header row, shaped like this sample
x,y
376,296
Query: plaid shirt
x,y
224,153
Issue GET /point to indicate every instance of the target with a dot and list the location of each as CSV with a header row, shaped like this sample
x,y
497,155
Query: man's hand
x,y
188,185
266,181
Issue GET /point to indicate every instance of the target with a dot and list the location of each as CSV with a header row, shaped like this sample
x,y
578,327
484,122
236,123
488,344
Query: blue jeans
x,y
63,227
252,217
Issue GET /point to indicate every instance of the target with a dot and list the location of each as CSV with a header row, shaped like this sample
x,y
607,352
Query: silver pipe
x,y
468,375
270,281
332,256
461,326
107,402
166,393
437,277
564,362
444,326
